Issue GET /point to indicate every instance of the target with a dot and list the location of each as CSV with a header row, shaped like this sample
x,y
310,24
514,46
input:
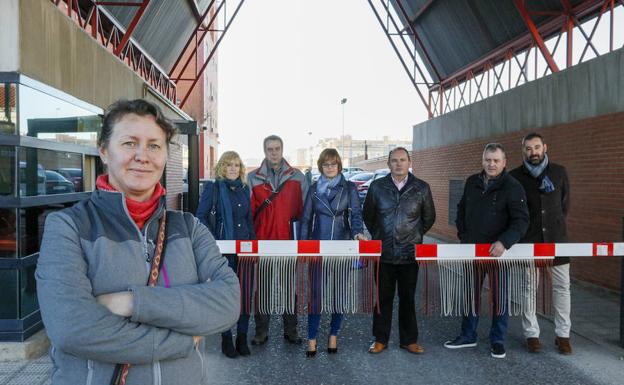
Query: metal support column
x,y
191,129
622,294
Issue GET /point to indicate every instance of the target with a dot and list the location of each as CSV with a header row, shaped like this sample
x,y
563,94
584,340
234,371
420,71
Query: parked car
x,y
73,175
361,178
56,183
315,175
30,177
363,189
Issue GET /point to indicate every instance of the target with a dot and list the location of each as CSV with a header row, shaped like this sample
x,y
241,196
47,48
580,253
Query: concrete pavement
x,y
597,358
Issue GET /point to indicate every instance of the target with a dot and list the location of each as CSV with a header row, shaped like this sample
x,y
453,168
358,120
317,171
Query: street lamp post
x,y
343,102
311,147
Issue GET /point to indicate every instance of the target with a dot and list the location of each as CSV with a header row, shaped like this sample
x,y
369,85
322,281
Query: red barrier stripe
x,y
308,247
609,249
482,250
370,247
426,251
245,248
544,250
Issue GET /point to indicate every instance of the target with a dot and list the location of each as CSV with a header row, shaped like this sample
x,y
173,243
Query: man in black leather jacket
x,y
398,210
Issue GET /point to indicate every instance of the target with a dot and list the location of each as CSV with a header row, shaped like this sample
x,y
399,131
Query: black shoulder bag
x,y
267,202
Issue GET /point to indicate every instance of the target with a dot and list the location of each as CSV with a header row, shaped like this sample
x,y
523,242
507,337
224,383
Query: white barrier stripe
x,y
452,251
277,248
227,247
518,251
339,248
574,249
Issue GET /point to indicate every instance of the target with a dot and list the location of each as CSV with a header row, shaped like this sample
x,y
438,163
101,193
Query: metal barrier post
x,y
622,294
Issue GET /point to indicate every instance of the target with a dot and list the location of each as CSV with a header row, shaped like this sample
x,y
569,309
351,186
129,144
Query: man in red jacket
x,y
277,194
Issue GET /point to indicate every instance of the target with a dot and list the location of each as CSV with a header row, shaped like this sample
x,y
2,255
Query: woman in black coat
x,y
331,212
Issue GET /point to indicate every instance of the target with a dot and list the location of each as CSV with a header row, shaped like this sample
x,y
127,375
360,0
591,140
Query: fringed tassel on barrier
x,y
308,284
508,284
246,268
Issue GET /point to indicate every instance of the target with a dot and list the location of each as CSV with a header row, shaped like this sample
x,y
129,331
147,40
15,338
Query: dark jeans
x,y
262,324
405,278
315,276
242,326
500,313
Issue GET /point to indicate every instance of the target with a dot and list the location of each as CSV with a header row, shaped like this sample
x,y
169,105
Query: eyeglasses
x,y
330,165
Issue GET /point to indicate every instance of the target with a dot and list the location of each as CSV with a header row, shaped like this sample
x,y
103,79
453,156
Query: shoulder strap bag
x,y
267,201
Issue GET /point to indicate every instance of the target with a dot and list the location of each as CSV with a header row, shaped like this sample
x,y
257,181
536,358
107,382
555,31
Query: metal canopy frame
x,y
182,73
108,32
523,59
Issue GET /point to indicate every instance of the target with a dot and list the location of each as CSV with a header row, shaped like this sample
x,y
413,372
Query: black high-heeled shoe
x,y
332,350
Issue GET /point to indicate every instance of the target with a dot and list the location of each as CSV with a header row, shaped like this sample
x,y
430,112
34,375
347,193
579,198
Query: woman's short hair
x,y
227,158
329,155
141,107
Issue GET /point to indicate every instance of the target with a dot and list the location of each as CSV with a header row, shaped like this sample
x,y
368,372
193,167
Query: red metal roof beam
x,y
190,39
416,37
135,20
536,35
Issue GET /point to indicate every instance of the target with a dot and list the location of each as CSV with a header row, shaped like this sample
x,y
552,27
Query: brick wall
x,y
591,149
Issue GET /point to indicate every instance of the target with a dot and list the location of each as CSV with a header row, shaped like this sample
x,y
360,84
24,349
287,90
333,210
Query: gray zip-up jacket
x,y
95,248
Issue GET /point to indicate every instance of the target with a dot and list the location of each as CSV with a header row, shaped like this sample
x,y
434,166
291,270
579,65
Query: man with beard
x,y
548,197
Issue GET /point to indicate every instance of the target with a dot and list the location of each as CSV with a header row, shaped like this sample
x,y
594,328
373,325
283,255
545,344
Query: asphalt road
x,y
278,362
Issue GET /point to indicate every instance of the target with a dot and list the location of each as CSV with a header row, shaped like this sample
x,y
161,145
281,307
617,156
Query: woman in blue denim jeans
x,y
331,212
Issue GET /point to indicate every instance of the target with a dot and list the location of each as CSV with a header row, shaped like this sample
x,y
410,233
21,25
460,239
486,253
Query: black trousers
x,y
262,324
405,278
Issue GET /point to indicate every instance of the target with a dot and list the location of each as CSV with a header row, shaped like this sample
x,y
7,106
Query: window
x,y
46,117
45,172
7,170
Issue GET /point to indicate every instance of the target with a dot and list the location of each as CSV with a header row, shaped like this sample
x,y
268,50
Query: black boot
x,y
241,344
227,347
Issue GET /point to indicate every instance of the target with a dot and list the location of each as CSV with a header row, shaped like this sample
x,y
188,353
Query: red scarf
x,y
139,211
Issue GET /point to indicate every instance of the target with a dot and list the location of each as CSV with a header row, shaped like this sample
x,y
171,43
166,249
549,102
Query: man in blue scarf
x,y
548,197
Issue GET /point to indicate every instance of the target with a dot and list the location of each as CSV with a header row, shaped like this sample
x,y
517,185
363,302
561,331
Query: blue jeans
x,y
500,313
315,276
314,321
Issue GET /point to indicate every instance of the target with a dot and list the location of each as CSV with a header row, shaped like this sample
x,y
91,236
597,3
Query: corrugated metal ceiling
x,y
164,27
456,33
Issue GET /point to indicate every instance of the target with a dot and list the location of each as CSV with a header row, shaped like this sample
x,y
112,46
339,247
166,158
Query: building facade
x,y
57,76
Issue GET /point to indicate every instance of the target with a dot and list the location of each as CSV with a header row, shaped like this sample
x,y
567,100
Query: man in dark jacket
x,y
548,196
492,210
398,210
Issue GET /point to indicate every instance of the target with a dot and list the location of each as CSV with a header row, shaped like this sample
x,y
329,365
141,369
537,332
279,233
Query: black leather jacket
x,y
398,218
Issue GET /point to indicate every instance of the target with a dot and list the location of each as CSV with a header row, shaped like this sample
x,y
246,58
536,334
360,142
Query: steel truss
x,y
524,59
101,26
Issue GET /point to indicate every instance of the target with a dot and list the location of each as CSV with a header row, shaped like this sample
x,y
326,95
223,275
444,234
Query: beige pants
x,y
561,304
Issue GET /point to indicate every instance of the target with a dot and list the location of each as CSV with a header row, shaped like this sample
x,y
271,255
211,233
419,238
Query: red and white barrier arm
x,y
520,251
301,248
